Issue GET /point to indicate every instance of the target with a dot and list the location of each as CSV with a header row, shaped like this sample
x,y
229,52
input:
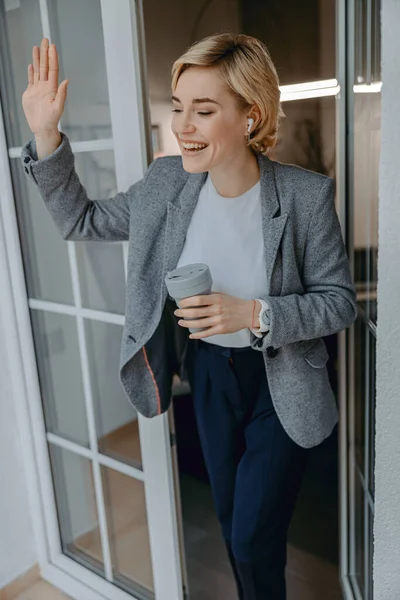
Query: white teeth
x,y
194,146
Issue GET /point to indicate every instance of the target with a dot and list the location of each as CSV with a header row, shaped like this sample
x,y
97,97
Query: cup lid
x,y
188,276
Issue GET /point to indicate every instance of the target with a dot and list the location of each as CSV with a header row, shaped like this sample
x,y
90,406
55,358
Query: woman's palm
x,y
43,100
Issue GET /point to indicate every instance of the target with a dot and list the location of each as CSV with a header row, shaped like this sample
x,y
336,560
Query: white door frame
x,y
129,145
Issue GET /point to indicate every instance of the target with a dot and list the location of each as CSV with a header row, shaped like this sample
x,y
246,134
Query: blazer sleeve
x,y
329,302
76,216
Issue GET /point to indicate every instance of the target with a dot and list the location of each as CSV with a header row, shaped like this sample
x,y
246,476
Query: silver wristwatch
x,y
263,316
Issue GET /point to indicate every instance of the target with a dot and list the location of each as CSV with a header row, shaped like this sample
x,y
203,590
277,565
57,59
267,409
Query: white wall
x,y
387,495
17,547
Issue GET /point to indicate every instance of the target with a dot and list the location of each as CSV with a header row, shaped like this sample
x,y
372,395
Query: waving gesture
x,y
43,100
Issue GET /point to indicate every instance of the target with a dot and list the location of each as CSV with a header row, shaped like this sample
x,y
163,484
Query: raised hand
x,y
43,100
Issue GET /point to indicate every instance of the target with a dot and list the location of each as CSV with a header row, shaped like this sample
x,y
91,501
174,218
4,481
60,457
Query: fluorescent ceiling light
x,y
309,86
285,97
368,88
310,89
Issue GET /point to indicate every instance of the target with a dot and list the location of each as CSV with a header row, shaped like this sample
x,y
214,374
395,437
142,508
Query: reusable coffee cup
x,y
187,281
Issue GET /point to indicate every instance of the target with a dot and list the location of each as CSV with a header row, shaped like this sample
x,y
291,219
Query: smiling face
x,y
209,127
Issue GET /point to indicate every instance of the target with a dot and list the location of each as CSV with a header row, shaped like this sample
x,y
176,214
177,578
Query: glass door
x,y
105,472
363,150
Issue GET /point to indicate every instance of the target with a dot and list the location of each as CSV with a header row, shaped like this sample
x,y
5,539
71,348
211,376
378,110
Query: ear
x,y
255,114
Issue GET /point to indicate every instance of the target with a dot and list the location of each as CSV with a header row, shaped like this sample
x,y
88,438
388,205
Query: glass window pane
x,y
58,359
77,32
22,30
45,253
359,391
307,135
360,41
301,43
76,508
365,151
376,40
116,419
101,276
359,532
100,265
372,408
128,531
367,135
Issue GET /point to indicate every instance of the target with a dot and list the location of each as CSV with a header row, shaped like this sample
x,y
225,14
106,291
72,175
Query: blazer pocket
x,y
317,356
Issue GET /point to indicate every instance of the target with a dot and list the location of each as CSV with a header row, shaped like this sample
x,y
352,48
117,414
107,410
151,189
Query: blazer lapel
x,y
272,220
179,213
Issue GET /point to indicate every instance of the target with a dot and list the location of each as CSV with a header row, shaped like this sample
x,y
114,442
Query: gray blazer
x,y
310,291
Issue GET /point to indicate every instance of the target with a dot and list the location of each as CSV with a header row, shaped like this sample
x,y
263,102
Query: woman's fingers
x,y
194,313
61,95
36,63
199,335
53,68
204,322
30,75
44,60
45,65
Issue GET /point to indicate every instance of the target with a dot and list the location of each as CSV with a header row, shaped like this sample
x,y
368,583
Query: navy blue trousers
x,y
255,469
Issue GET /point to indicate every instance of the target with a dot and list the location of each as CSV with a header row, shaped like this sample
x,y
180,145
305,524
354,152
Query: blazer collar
x,y
188,196
269,195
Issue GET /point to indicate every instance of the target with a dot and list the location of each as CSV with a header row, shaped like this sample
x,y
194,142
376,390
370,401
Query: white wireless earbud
x,y
250,122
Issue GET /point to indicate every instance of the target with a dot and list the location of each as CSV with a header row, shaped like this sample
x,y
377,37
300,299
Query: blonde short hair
x,y
246,67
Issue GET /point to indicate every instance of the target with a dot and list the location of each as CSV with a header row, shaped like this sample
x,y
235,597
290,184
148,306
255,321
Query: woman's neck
x,y
236,178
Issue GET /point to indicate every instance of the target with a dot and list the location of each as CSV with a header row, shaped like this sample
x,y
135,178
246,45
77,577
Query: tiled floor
x,y
309,577
298,587
42,591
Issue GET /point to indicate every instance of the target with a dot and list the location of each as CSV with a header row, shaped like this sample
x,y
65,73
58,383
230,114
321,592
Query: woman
x,y
270,235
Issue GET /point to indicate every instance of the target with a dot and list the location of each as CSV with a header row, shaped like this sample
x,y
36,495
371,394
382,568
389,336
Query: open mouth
x,y
192,149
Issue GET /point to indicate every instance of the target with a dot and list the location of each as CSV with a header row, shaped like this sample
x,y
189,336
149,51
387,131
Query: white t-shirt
x,y
226,234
